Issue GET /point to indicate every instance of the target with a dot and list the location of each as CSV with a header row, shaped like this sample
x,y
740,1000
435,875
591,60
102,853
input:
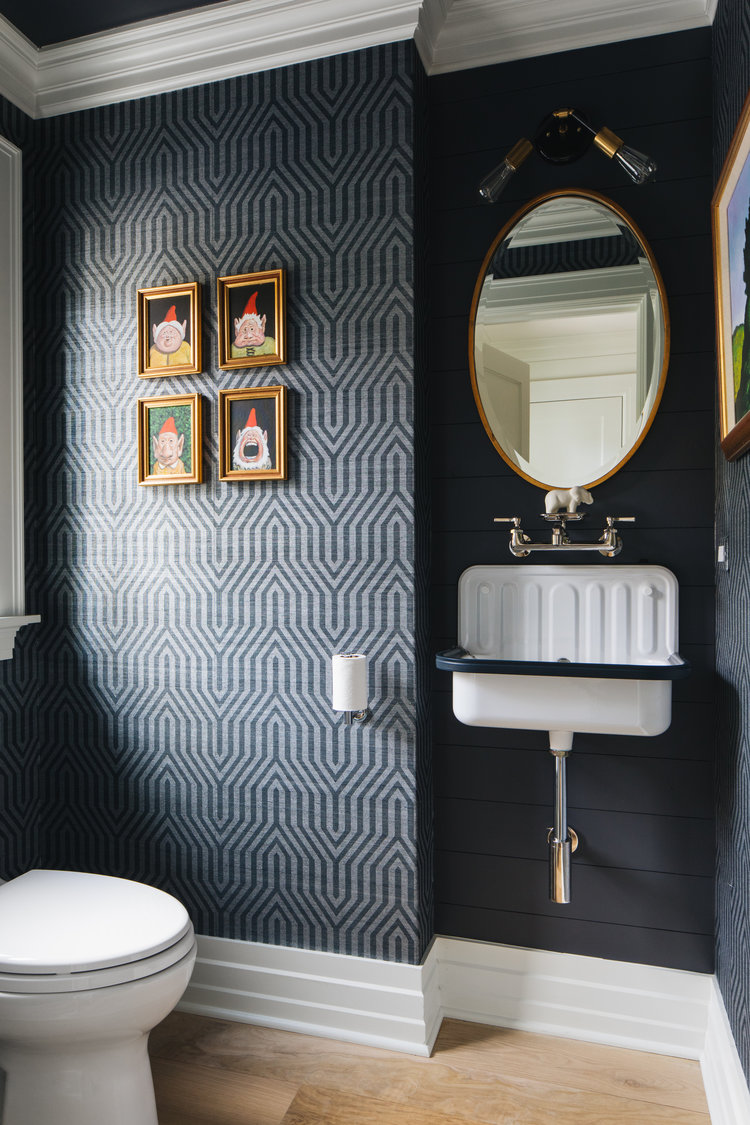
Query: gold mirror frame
x,y
577,193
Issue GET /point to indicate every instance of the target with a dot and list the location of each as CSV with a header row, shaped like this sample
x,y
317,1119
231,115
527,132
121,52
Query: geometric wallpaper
x,y
182,726
731,42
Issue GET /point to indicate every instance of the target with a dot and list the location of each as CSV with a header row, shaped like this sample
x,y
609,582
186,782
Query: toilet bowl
x,y
89,964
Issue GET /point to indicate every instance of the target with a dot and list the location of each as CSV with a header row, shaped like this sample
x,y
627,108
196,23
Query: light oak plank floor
x,y
214,1072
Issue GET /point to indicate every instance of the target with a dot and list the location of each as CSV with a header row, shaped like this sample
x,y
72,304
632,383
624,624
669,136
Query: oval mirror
x,y
568,340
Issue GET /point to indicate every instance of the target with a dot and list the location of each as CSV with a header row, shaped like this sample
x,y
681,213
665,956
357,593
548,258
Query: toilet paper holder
x,y
349,673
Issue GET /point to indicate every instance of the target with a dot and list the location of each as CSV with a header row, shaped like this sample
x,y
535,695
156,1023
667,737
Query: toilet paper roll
x,y
349,681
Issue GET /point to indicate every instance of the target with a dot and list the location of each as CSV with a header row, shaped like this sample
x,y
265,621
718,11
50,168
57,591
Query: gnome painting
x,y
251,319
168,448
251,450
169,439
252,434
170,348
169,335
250,337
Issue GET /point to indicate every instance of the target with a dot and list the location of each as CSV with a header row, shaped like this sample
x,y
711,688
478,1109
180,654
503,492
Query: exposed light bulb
x,y
638,166
493,185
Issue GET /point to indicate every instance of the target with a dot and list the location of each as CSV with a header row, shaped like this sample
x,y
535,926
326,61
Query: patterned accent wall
x,y
731,83
185,732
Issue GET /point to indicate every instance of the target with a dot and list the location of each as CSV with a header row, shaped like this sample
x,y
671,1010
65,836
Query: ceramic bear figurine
x,y
567,498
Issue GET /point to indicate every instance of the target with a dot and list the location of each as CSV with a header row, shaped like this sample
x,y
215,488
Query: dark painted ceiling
x,y
51,21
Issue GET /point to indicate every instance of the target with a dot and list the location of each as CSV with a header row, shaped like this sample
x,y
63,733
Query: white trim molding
x,y
723,1077
356,999
9,626
401,1007
614,1002
12,576
191,48
245,36
482,32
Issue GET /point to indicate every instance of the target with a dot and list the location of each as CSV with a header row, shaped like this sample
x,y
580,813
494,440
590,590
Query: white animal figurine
x,y
567,498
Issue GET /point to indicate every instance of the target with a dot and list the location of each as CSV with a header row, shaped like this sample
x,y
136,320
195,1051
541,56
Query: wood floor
x,y
213,1072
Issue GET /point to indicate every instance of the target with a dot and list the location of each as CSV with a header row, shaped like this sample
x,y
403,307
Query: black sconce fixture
x,y
562,137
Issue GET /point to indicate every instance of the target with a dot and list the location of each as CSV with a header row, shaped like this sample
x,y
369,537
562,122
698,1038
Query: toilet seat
x,y
68,931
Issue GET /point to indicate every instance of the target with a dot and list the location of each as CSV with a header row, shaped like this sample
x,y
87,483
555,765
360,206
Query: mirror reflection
x,y
569,340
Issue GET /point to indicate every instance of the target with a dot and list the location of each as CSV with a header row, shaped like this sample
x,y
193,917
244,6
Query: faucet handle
x,y
612,520
515,520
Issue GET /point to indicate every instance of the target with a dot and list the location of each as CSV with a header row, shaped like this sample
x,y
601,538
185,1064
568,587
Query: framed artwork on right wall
x,y
730,222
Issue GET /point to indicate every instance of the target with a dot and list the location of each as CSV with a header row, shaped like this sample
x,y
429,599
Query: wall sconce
x,y
350,685
562,137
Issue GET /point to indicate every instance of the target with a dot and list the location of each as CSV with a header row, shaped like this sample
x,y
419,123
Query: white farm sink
x,y
591,649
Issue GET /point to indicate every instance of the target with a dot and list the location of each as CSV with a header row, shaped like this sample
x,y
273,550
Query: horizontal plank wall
x,y
186,733
643,877
731,86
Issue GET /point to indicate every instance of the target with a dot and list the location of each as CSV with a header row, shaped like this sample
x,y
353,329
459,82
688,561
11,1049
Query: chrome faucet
x,y
608,544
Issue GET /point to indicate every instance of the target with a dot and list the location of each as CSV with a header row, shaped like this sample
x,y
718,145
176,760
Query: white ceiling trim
x,y
188,49
246,36
481,32
17,68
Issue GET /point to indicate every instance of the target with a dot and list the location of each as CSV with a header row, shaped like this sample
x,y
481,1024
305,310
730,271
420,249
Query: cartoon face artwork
x,y
168,447
250,328
168,335
251,446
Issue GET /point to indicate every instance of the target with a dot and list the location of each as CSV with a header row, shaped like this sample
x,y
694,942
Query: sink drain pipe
x,y
562,840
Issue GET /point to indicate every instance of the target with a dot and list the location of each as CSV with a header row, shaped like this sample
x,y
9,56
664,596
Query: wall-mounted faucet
x,y
608,544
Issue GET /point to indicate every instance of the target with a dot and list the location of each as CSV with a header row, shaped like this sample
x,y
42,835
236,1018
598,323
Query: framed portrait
x,y
169,330
730,221
170,440
252,434
252,319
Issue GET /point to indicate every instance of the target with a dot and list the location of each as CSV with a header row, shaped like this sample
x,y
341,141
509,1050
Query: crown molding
x,y
432,17
482,32
18,61
190,49
244,36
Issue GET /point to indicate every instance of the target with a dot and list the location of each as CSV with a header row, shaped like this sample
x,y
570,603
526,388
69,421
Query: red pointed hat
x,y
168,427
251,420
250,307
170,321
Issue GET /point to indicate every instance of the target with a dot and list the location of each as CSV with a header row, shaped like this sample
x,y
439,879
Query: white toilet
x,y
88,966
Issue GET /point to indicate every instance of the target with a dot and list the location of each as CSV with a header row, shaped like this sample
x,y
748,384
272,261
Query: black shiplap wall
x,y
643,879
731,83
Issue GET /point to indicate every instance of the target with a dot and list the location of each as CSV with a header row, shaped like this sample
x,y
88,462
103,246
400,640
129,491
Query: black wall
x,y
731,81
643,878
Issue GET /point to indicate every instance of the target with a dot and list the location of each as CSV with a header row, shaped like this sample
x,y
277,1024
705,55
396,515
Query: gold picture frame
x,y
252,434
730,210
252,319
170,439
169,330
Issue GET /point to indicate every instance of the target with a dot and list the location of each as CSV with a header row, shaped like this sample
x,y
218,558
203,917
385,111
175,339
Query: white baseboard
x,y
614,1002
723,1077
355,999
400,1007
